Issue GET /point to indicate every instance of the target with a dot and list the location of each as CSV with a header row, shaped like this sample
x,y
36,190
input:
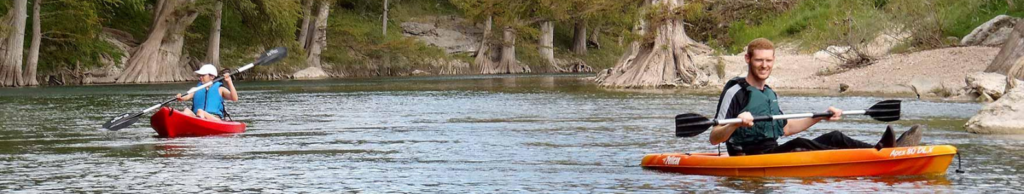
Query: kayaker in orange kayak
x,y
208,103
750,96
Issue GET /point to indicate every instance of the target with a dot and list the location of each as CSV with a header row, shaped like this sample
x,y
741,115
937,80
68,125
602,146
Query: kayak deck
x,y
172,123
919,160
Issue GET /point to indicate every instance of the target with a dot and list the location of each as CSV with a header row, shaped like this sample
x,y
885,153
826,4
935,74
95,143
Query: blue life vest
x,y
209,100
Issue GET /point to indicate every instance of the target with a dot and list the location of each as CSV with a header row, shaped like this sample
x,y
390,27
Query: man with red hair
x,y
746,97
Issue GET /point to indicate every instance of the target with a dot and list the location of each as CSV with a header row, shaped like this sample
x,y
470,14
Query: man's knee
x,y
801,140
835,133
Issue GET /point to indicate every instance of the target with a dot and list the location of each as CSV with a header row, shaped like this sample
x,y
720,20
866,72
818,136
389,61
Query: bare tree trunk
x,y
33,49
579,38
384,27
1011,52
508,63
13,45
158,59
307,9
546,48
156,13
319,36
667,61
213,47
483,58
594,38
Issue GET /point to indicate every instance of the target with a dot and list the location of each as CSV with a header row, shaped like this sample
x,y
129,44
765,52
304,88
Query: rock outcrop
x,y
450,33
987,86
1004,116
310,73
110,67
993,33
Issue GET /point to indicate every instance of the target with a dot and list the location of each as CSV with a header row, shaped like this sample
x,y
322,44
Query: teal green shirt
x,y
740,97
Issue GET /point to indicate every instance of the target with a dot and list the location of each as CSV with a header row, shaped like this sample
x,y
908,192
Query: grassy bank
x,y
815,24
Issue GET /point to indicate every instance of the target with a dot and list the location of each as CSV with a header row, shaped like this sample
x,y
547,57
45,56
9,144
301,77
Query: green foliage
x,y
411,10
816,15
71,30
603,58
355,39
811,22
128,15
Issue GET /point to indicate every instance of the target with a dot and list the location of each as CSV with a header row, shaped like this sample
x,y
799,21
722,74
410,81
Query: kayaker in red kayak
x,y
746,97
208,103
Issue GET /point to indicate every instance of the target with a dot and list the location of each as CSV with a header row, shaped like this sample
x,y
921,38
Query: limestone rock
x,y
449,33
310,73
420,73
111,67
987,85
994,33
830,53
1004,116
885,42
925,85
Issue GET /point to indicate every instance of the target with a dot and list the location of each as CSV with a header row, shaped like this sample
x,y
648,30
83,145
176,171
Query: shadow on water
x,y
855,184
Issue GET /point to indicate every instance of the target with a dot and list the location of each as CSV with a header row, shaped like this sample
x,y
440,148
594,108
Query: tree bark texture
x,y
384,26
13,45
213,47
546,48
319,35
667,61
1011,52
33,50
307,15
593,39
483,59
508,63
579,38
159,57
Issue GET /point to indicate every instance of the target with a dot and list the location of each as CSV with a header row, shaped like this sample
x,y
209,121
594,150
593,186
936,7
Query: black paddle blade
x,y
272,55
121,121
690,124
885,111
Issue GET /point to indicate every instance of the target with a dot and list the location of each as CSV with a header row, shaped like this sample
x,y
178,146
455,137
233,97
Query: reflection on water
x,y
436,134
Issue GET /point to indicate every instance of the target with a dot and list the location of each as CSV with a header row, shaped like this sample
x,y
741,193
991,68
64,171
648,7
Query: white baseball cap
x,y
207,69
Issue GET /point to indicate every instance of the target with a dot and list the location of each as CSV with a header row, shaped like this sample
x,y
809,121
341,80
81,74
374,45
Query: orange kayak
x,y
919,160
173,123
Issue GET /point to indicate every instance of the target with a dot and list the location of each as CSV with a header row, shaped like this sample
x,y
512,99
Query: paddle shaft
x,y
787,116
197,88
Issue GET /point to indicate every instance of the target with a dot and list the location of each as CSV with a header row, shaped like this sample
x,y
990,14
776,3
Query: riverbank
x,y
942,71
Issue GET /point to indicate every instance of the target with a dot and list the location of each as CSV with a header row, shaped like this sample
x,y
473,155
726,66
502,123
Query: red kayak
x,y
173,123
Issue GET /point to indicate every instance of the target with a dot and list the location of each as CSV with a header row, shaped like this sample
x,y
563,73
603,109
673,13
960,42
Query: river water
x,y
480,134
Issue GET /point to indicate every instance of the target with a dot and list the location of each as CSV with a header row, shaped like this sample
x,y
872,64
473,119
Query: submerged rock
x,y
1004,116
995,32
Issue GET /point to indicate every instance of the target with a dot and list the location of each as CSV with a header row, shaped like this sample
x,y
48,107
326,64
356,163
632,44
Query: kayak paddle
x,y
691,124
127,119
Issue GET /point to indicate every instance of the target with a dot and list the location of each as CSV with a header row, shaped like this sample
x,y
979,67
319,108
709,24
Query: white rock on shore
x,y
310,73
993,33
1004,116
989,86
